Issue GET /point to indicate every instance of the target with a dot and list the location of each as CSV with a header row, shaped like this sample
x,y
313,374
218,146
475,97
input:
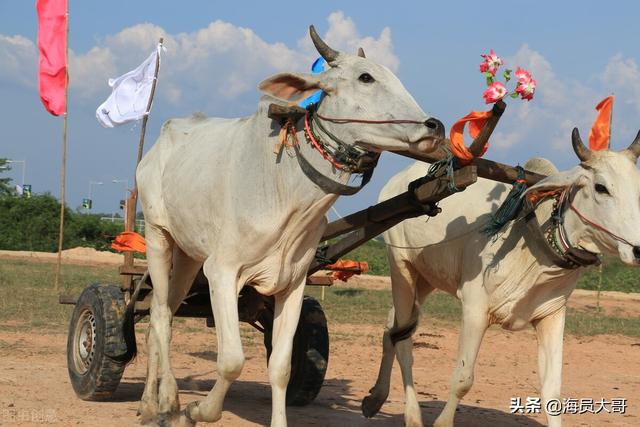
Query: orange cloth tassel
x,y
129,241
353,267
476,120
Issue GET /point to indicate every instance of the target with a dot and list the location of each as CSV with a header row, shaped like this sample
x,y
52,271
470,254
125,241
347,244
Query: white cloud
x,y
206,68
18,56
622,76
343,35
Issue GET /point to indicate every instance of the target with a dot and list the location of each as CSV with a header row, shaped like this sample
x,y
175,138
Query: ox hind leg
x,y
223,291
159,256
409,292
474,324
183,272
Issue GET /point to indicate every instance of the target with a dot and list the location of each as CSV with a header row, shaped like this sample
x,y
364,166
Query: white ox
x,y
215,195
512,281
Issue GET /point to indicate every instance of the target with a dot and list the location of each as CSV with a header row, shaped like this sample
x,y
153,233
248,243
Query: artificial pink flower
x,y
523,75
491,63
495,92
526,89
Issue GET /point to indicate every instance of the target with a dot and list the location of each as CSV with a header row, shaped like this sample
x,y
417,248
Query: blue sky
x,y
579,52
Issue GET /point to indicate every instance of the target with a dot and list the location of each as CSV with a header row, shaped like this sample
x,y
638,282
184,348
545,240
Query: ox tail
x,y
129,334
129,324
400,334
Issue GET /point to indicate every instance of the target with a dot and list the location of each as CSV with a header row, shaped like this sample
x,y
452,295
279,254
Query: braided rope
x,y
510,208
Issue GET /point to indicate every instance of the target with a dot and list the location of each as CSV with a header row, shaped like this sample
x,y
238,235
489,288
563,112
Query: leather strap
x,y
327,184
571,259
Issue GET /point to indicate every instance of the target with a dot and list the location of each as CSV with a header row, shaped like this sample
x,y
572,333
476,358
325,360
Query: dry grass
x,y
29,302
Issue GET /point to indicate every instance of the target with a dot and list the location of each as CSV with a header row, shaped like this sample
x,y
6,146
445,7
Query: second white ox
x,y
523,277
215,195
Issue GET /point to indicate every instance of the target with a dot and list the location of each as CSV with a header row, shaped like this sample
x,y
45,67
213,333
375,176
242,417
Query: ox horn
x,y
634,148
581,150
323,49
361,52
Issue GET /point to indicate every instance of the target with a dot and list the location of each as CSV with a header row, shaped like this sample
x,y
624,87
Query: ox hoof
x,y
195,413
443,423
413,423
148,412
168,400
371,405
173,419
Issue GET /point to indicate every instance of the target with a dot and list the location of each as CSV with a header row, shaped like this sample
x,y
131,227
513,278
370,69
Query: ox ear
x,y
575,177
291,86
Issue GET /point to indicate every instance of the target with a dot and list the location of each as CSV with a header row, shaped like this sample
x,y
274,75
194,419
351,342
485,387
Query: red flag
x,y
600,133
52,42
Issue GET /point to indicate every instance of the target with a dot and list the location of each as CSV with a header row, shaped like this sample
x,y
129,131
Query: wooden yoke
x,y
282,113
478,144
487,169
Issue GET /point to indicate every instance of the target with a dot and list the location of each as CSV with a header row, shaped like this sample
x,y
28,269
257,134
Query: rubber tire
x,y
100,381
310,355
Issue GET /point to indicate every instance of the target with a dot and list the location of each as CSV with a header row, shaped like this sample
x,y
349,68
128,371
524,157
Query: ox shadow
x,y
336,405
467,415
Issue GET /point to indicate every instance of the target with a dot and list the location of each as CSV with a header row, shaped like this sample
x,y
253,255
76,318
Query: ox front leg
x,y
378,394
224,302
474,324
287,314
550,331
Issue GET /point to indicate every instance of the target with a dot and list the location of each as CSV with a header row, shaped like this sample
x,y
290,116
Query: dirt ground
x,y
35,388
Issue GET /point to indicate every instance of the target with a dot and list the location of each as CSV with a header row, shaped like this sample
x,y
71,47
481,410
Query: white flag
x,y
130,95
19,190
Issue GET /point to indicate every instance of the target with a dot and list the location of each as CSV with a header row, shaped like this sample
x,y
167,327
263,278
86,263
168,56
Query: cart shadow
x,y
335,405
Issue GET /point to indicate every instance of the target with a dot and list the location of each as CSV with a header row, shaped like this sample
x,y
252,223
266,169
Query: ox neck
x,y
329,162
321,166
320,132
562,233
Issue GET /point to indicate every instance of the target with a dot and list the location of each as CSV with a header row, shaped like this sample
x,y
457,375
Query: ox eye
x,y
366,78
601,189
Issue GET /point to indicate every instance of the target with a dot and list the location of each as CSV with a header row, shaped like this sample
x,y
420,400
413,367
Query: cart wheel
x,y
310,352
96,346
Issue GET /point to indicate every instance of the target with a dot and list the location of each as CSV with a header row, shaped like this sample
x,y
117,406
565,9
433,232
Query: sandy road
x,y
35,390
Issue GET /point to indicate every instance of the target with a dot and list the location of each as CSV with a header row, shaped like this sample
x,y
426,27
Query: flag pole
x,y
611,121
143,128
132,201
63,170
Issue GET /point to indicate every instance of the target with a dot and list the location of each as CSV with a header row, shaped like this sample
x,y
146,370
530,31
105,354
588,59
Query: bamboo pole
x,y
143,128
132,200
477,146
63,169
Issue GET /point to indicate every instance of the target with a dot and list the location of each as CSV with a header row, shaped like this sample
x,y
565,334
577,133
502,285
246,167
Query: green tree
x,y
5,183
32,225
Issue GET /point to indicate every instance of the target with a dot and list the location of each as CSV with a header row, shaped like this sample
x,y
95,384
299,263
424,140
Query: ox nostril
x,y
636,252
435,125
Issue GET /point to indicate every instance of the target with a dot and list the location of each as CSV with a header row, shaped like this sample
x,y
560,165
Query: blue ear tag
x,y
316,68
